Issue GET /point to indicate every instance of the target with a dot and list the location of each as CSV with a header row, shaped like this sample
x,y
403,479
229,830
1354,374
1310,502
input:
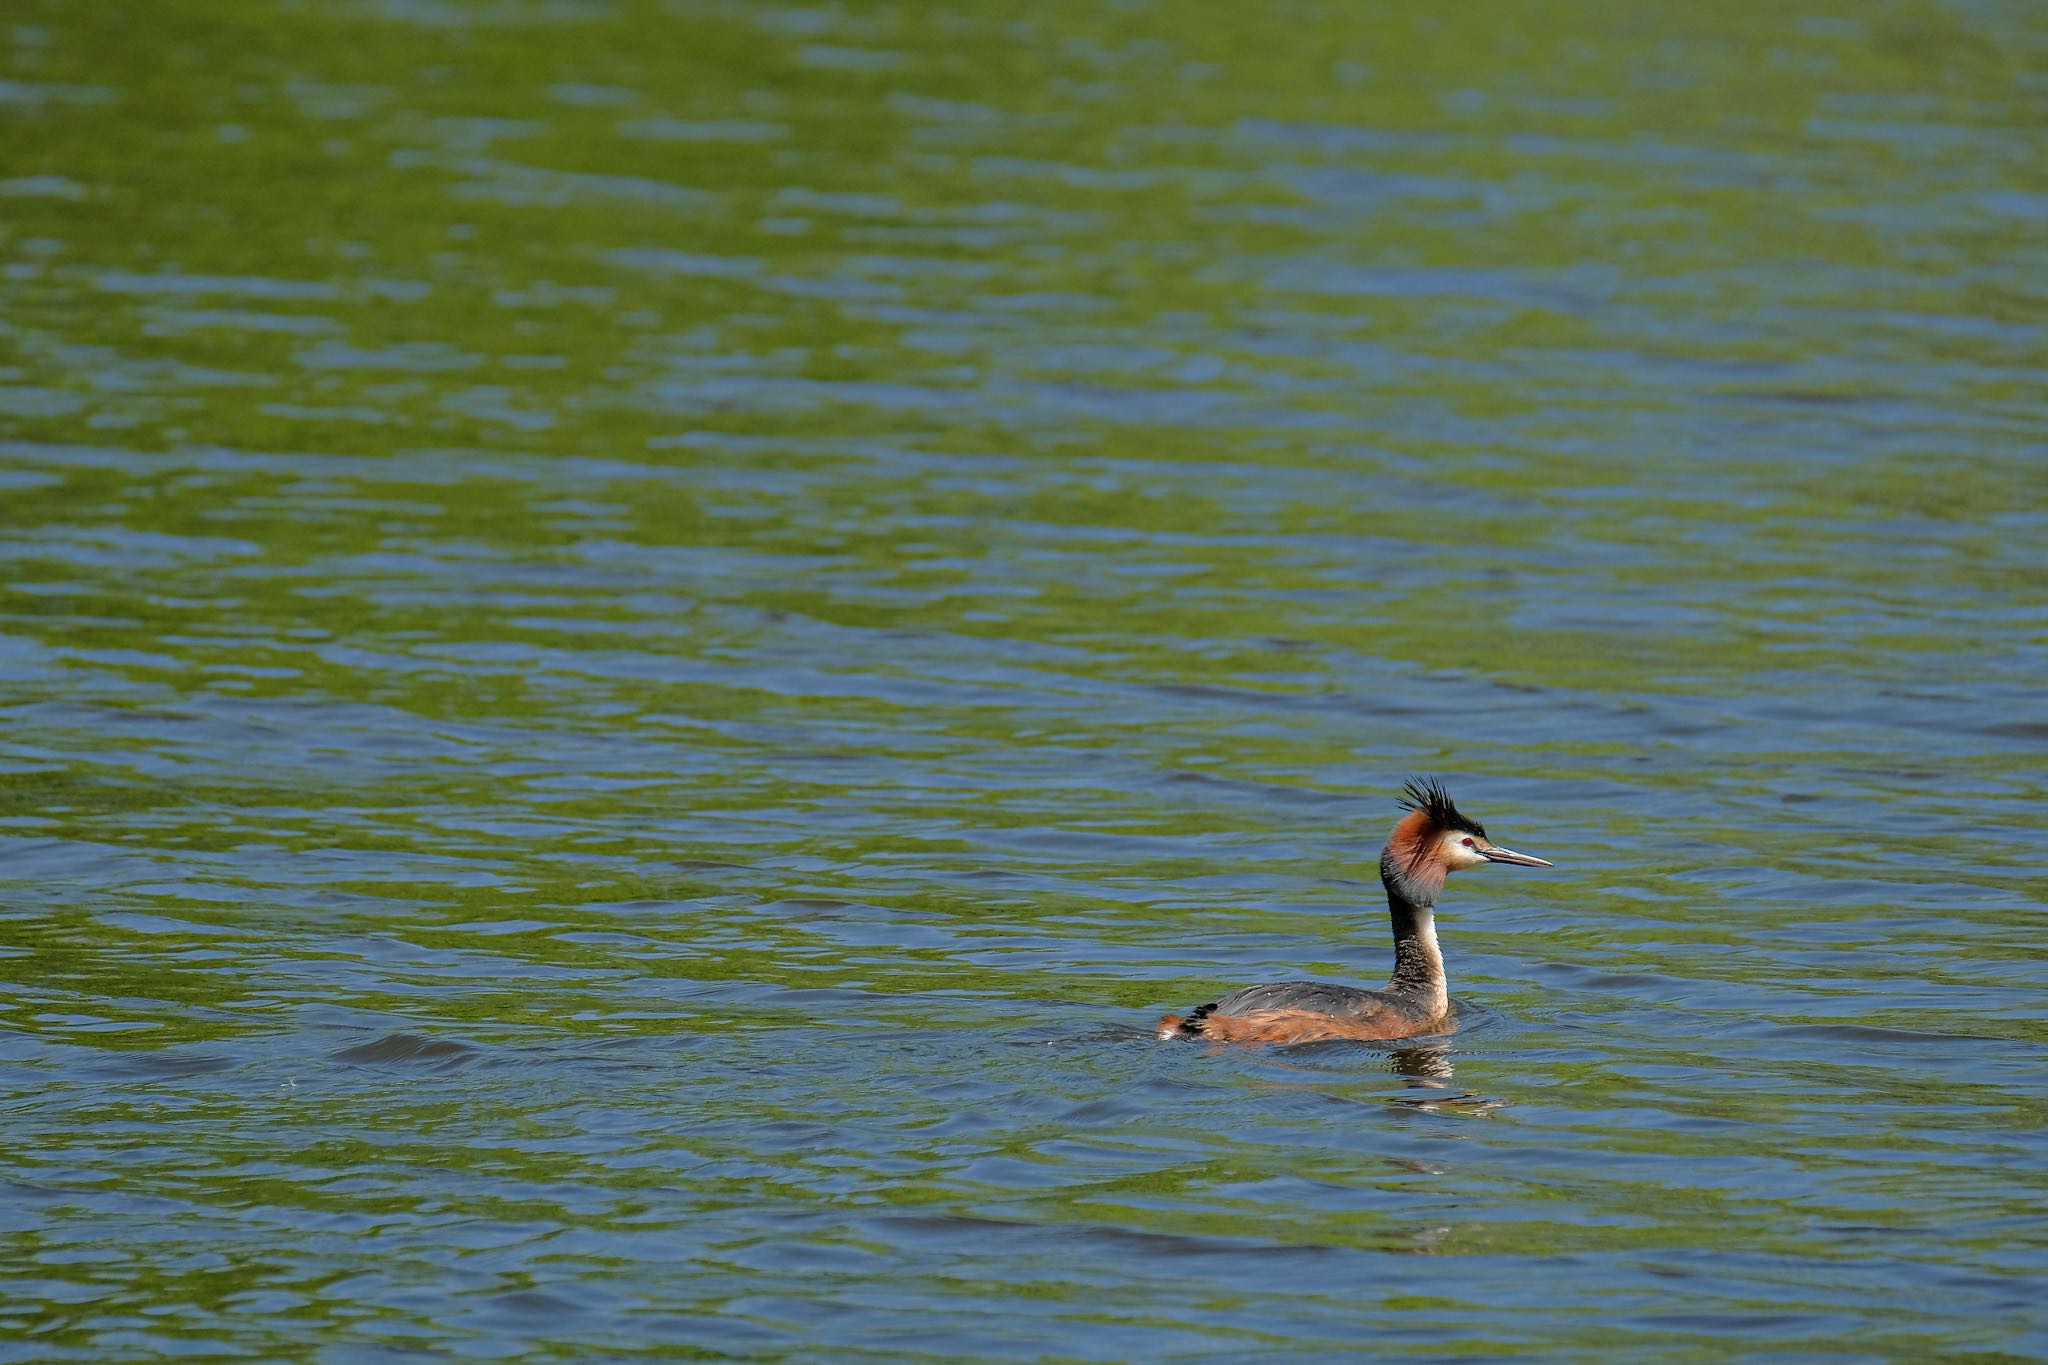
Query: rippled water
x,y
638,641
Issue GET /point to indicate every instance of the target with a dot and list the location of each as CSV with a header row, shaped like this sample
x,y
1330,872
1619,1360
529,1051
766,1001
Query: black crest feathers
x,y
1427,795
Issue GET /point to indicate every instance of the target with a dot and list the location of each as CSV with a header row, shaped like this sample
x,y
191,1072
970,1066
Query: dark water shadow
x,y
407,1049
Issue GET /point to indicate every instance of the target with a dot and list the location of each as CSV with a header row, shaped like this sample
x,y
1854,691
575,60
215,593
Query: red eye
x,y
1466,842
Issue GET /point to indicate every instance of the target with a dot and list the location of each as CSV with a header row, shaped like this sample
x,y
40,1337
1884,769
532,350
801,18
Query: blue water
x,y
639,642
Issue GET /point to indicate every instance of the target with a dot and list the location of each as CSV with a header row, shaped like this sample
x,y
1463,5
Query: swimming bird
x,y
1431,841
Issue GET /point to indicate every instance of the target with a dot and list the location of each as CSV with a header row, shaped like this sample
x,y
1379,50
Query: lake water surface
x,y
639,640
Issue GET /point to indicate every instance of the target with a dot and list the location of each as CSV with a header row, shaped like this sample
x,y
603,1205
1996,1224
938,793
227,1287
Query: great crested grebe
x,y
1432,841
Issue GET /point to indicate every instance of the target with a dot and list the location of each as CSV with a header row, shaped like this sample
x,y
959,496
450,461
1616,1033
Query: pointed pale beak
x,y
1494,853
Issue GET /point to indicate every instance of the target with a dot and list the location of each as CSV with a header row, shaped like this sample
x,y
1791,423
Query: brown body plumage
x,y
1429,843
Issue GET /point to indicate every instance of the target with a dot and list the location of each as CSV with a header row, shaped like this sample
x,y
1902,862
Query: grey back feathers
x,y
1320,997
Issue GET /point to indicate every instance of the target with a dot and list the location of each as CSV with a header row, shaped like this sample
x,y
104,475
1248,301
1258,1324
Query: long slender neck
x,y
1418,964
